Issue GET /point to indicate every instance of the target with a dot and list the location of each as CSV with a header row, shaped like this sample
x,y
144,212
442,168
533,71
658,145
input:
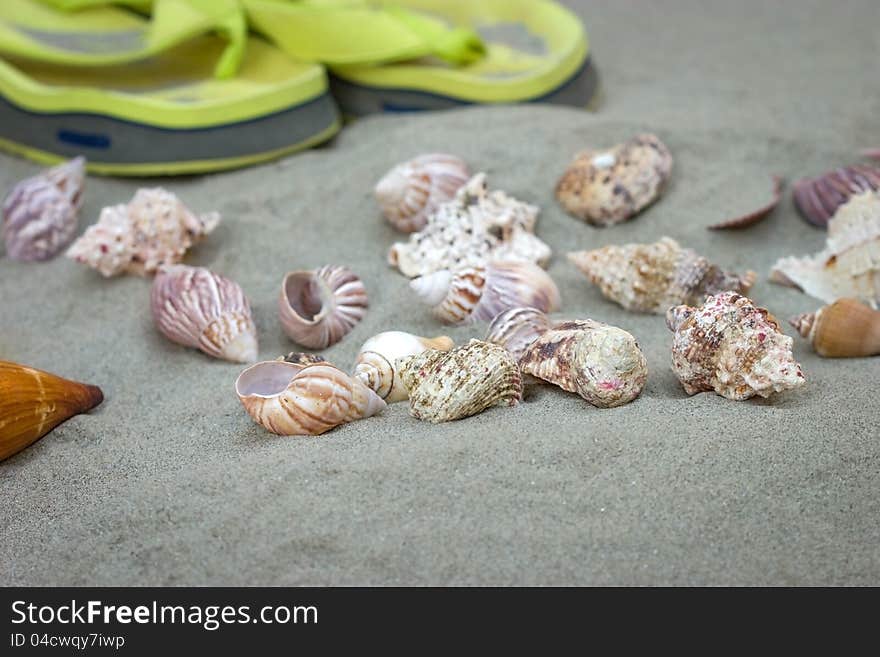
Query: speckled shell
x,y
318,308
293,399
733,347
472,294
603,364
375,360
40,214
515,329
849,265
197,308
607,187
817,199
846,328
449,385
411,191
473,228
652,277
152,230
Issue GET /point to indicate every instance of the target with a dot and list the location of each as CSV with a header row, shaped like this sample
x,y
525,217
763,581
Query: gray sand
x,y
170,482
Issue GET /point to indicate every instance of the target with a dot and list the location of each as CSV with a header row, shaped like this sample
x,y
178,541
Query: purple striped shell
x,y
817,199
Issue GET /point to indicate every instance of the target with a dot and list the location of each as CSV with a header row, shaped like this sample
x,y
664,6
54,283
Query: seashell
x,y
450,385
155,228
733,347
33,402
603,364
376,358
197,308
817,199
300,358
651,277
40,214
746,220
849,265
515,329
411,191
475,227
293,399
845,328
873,153
472,294
609,186
318,308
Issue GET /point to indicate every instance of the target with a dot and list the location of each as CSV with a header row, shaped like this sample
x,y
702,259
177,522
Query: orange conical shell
x,y
845,328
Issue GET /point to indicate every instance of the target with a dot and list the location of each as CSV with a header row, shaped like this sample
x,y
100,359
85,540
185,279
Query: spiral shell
x,y
33,402
376,358
652,277
411,191
318,308
472,294
292,399
818,199
155,228
515,329
733,347
40,214
844,329
609,186
449,385
197,308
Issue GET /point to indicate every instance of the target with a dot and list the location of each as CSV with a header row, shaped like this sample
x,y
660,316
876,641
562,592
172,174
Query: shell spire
x,y
843,329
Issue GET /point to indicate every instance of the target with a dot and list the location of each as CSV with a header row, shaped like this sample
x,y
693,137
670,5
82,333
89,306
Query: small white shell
x,y
411,191
479,293
197,308
318,308
375,360
517,328
293,399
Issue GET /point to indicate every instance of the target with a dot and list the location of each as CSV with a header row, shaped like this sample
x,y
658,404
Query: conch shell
x,y
449,385
33,402
318,308
376,358
609,186
473,228
818,199
293,399
733,347
849,265
479,293
652,277
843,329
155,228
515,329
40,214
410,192
197,308
603,364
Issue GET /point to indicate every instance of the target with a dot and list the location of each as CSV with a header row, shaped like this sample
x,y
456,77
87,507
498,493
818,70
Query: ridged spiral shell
x,y
515,329
818,199
846,328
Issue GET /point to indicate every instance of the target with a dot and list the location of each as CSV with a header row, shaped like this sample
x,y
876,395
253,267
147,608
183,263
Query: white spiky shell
x,y
515,329
376,358
411,191
472,294
293,399
318,308
40,214
155,228
197,308
449,385
849,265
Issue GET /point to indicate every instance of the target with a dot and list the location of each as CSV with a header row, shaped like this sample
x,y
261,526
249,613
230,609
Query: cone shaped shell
x,y
289,399
517,328
843,329
33,402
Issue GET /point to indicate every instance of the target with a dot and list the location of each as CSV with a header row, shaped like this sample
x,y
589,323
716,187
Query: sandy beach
x,y
169,482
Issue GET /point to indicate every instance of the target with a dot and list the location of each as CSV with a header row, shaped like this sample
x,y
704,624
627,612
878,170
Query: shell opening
x,y
303,294
266,379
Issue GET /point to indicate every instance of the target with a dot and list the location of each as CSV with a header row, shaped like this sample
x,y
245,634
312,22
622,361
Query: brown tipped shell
x,y
750,219
33,402
197,308
843,329
607,187
318,308
300,358
652,277
601,363
292,399
472,294
817,199
411,192
375,364
517,328
449,385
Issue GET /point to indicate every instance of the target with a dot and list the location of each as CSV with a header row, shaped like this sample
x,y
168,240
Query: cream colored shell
x,y
515,329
